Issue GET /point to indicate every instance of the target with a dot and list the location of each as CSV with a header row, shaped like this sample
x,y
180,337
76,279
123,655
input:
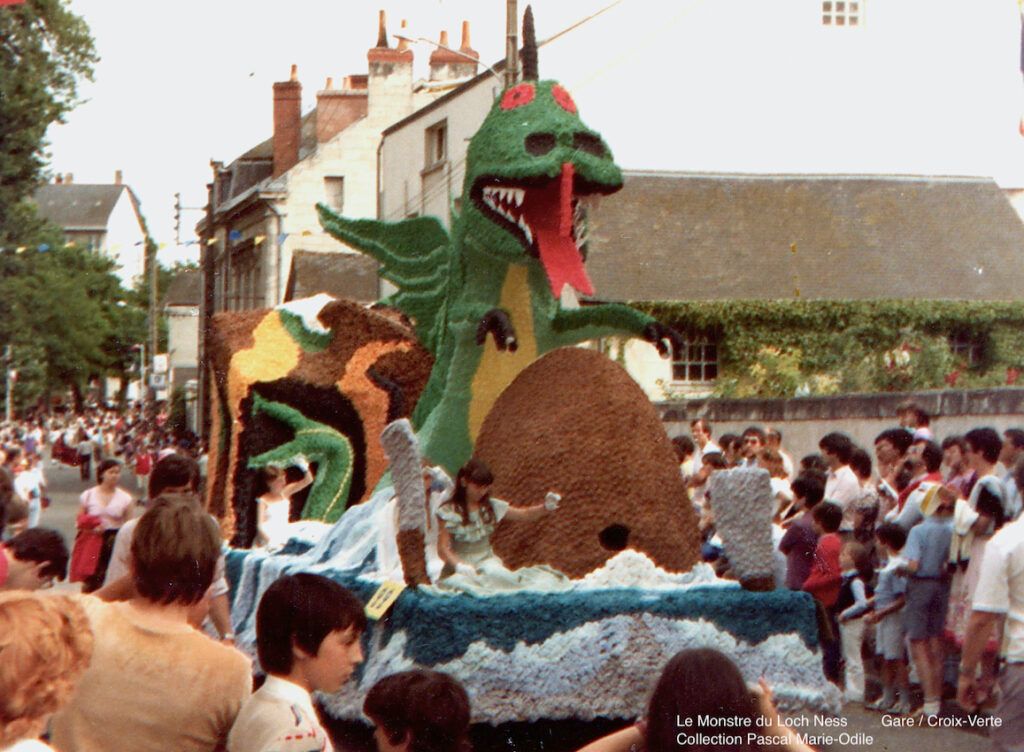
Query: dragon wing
x,y
414,255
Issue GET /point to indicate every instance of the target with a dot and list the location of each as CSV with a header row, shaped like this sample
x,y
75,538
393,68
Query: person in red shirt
x,y
826,579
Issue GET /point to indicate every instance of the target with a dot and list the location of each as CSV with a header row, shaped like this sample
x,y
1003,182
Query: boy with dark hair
x,y
887,617
800,539
419,711
32,559
826,578
154,682
308,631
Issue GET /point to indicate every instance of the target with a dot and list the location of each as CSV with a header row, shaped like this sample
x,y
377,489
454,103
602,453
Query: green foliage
x,y
66,318
44,51
789,348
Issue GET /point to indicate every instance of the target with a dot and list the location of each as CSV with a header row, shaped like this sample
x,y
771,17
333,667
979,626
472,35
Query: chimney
x,y
337,109
59,180
448,65
117,177
69,179
287,122
390,78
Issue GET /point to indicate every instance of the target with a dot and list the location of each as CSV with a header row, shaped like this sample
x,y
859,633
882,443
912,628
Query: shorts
x,y
889,637
927,604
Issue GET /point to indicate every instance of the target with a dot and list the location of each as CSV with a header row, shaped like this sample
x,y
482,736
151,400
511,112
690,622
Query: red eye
x,y
517,96
562,97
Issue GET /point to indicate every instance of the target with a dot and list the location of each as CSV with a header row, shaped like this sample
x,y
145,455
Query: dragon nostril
x,y
540,143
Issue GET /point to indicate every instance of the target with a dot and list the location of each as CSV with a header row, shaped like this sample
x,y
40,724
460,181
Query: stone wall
x,y
804,420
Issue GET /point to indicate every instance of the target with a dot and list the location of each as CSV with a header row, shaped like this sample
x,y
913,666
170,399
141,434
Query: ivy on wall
x,y
794,347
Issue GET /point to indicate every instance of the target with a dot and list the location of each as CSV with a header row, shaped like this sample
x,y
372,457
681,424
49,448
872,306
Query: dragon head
x,y
527,169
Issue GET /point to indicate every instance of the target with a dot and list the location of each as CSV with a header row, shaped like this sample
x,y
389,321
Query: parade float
x,y
474,356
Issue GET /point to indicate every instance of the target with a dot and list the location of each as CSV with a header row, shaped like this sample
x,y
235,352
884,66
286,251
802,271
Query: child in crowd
x,y
887,617
851,605
308,631
33,559
825,578
800,540
419,710
927,555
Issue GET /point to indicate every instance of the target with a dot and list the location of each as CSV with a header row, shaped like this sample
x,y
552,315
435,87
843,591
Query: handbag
x,y
85,554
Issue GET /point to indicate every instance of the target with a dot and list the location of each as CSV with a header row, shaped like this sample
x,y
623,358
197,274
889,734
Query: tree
x,y
44,51
64,312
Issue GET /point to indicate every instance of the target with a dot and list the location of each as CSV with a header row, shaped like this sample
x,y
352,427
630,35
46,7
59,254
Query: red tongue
x,y
548,211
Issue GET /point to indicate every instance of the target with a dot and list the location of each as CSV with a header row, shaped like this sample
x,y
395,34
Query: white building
x,y
262,215
104,218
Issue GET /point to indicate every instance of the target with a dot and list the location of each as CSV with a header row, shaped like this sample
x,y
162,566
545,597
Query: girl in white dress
x,y
273,506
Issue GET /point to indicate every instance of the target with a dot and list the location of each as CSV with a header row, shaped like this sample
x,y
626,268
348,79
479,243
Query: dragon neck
x,y
498,369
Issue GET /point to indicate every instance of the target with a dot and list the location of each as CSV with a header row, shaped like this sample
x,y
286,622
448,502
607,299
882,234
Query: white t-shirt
x,y
120,560
1001,585
278,717
843,488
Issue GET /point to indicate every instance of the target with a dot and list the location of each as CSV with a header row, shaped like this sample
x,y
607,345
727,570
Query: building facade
x,y
103,218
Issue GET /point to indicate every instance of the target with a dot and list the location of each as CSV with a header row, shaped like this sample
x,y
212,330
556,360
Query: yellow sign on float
x,y
383,599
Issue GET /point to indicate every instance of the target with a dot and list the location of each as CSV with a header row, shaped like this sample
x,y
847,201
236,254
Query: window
x,y
698,362
436,144
334,190
967,348
842,12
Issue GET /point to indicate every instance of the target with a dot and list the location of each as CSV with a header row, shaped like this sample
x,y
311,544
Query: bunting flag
x,y
306,233
161,246
234,236
258,240
212,241
44,247
20,249
281,238
70,244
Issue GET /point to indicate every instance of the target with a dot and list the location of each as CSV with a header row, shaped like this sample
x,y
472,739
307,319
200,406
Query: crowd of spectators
x,y
911,559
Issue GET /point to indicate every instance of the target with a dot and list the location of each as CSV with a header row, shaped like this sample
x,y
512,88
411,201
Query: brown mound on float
x,y
577,423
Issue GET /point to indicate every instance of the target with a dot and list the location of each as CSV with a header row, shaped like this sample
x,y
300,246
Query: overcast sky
x,y
184,82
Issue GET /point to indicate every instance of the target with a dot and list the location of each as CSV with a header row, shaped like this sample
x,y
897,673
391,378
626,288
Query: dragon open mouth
x,y
549,221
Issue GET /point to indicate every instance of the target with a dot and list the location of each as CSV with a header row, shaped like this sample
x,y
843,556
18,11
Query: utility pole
x,y
177,219
11,376
151,249
511,43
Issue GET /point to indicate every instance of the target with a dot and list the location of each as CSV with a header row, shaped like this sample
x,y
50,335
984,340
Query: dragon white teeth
x,y
518,194
526,230
569,300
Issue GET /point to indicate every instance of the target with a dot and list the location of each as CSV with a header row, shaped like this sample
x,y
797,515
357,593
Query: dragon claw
x,y
497,323
668,341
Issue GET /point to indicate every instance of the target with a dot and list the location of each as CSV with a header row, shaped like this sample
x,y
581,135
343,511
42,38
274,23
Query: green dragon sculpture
x,y
512,266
